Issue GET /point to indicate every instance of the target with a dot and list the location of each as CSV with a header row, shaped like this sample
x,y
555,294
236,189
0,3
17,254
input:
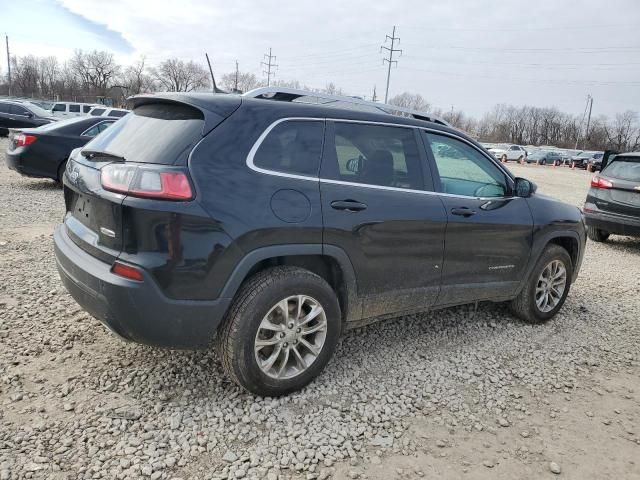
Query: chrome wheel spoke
x,y
290,337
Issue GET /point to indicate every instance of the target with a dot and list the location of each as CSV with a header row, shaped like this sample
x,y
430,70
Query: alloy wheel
x,y
551,285
290,337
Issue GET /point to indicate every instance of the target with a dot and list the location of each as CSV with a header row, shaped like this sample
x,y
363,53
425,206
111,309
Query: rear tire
x,y
246,343
597,235
525,306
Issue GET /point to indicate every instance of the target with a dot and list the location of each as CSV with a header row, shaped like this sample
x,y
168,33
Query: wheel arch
x,y
567,239
328,261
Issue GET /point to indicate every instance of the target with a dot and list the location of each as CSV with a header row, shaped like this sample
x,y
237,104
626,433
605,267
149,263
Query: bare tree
x,y
176,75
25,74
137,79
414,101
245,81
96,70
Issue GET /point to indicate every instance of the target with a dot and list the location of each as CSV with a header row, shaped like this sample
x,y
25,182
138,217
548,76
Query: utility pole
x,y
236,82
269,64
390,60
374,98
587,106
586,132
6,37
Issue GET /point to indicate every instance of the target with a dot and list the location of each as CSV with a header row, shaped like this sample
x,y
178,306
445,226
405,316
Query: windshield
x,y
623,169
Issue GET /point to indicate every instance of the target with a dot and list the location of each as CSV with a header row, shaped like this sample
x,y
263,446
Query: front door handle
x,y
462,211
348,205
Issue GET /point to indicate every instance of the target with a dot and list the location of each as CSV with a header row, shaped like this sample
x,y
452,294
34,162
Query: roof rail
x,y
338,101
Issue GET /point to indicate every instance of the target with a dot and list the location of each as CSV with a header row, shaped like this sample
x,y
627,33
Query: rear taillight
x,y
23,140
164,183
126,271
597,182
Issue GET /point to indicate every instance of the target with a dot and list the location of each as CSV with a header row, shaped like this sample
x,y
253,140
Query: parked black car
x,y
271,226
43,151
17,114
613,201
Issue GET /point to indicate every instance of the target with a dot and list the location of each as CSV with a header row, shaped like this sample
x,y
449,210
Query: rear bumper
x,y
22,164
616,224
136,311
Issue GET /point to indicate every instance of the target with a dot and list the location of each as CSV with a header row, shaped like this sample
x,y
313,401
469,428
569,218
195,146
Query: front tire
x,y
596,234
280,331
547,288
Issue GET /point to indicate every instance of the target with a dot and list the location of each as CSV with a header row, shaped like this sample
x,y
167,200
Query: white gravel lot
x,y
443,395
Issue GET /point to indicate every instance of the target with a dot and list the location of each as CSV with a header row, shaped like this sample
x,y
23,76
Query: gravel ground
x,y
450,394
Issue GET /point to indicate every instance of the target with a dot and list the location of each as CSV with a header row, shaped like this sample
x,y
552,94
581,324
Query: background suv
x,y
270,226
504,153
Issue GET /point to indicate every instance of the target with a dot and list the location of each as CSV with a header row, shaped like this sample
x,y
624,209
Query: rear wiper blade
x,y
91,154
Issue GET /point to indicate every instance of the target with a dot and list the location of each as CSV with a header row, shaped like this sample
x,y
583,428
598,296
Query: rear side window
x,y
4,108
374,155
18,110
74,108
96,112
623,170
154,133
59,107
293,146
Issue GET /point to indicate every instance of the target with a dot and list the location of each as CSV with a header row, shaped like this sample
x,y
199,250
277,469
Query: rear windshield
x,y
624,170
154,133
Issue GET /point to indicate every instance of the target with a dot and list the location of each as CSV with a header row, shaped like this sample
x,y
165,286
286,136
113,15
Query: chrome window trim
x,y
258,143
250,158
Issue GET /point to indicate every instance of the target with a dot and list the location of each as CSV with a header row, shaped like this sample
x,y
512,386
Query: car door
x,y
489,230
5,117
376,207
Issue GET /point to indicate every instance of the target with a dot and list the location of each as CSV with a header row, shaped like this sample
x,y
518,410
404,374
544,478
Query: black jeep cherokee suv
x,y
271,226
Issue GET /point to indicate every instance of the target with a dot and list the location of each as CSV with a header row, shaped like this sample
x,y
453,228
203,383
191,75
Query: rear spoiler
x,y
214,108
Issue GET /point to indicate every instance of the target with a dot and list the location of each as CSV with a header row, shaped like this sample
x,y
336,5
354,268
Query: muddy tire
x,y
262,343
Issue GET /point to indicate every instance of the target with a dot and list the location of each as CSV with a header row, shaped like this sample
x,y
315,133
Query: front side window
x,y
59,107
465,171
374,155
86,108
293,146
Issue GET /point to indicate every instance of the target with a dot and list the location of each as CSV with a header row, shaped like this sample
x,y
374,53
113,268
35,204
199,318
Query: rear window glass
x,y
293,147
623,170
154,133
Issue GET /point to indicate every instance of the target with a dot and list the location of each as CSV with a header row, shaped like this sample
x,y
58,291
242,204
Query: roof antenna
x,y
213,80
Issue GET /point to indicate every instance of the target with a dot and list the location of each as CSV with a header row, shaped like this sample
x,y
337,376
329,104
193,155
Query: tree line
x,y
93,76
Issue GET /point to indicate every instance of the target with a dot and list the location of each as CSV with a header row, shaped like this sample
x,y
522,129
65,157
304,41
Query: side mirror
x,y
525,188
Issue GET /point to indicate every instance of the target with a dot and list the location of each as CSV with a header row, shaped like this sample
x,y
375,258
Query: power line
x,y
390,60
269,64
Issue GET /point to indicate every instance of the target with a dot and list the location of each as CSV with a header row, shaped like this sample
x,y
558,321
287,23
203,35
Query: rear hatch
x,y
160,132
623,196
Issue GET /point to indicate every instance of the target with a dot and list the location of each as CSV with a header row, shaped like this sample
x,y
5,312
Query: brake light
x,y
23,140
126,271
163,183
597,182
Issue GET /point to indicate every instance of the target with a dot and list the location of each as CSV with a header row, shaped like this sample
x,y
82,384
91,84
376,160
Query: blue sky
x,y
471,54
49,25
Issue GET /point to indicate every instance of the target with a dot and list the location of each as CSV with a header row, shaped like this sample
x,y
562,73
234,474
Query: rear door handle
x,y
348,205
462,211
